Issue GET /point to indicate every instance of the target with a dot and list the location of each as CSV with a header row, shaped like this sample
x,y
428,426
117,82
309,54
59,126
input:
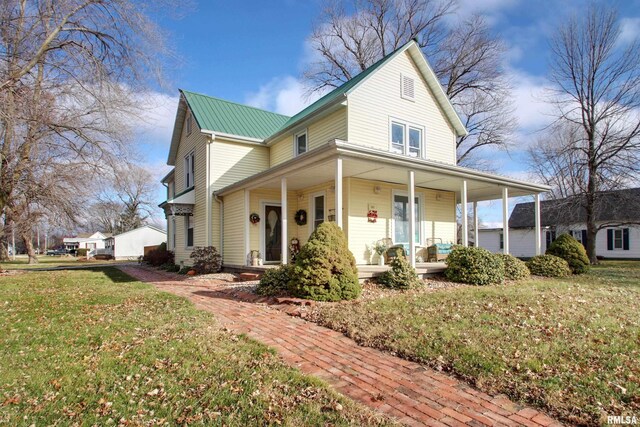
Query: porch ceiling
x,y
384,167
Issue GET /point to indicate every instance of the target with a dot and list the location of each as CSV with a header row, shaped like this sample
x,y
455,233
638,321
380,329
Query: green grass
x,y
570,347
46,261
98,348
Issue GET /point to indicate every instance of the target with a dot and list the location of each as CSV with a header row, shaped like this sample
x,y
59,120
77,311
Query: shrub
x,y
159,256
572,251
476,266
400,276
514,268
184,269
275,281
548,266
81,252
170,267
206,260
325,269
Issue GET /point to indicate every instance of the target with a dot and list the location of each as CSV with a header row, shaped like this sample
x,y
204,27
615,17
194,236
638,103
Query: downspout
x,y
221,203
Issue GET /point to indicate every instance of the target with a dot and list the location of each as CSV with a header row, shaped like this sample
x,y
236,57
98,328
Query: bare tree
x,y
127,202
597,94
467,58
69,74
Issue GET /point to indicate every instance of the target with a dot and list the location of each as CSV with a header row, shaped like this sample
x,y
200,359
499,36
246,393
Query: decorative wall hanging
x,y
301,217
254,218
294,248
372,216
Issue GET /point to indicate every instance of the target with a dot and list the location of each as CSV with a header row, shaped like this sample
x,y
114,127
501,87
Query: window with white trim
x,y
406,139
300,142
189,170
318,210
401,219
188,221
618,241
407,87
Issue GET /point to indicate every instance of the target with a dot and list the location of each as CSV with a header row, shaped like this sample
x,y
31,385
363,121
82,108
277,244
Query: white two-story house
x,y
376,155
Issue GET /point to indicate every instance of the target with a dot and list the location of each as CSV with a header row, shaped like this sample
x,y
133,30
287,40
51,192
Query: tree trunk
x,y
28,244
590,207
4,252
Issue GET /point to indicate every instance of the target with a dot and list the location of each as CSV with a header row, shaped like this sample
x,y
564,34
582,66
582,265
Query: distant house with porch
x,y
618,218
377,155
131,244
91,241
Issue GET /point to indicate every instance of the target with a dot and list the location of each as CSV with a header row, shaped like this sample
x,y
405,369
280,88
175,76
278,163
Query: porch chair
x,y
438,251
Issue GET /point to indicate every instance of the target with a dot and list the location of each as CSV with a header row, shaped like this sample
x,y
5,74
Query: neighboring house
x,y
130,244
92,241
376,155
618,238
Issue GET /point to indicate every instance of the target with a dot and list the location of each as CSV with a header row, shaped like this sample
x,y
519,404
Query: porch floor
x,y
365,271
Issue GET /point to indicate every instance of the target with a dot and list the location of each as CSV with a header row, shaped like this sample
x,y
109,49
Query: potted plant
x,y
256,259
380,248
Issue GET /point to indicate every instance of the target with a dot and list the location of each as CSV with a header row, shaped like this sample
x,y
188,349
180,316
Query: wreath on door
x,y
301,217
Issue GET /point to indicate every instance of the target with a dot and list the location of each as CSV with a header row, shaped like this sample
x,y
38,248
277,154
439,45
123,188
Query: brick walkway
x,y
407,391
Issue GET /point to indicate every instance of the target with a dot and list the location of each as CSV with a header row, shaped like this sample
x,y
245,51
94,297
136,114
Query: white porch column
x,y
247,227
283,221
465,214
338,192
476,221
505,220
537,224
412,219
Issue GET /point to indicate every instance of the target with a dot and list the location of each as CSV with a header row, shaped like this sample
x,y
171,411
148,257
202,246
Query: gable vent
x,y
408,87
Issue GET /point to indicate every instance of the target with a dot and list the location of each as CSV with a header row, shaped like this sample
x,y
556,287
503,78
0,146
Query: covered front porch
x,y
371,194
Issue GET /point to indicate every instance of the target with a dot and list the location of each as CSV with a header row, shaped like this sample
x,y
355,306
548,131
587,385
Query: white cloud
x,y
490,9
157,115
284,95
629,30
529,92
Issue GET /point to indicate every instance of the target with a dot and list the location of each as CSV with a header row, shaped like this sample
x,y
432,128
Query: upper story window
x,y
407,87
189,170
188,123
406,139
300,142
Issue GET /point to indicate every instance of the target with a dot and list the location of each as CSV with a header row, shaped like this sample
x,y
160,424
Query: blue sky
x,y
254,52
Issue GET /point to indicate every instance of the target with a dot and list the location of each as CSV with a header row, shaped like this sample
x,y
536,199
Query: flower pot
x,y
380,260
254,262
259,261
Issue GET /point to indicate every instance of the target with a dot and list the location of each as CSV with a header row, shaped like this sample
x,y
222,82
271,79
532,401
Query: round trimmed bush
x,y
274,281
476,266
514,268
325,269
572,251
548,266
400,276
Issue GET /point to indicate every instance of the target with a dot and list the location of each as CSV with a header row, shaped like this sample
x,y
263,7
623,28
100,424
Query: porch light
x,y
377,189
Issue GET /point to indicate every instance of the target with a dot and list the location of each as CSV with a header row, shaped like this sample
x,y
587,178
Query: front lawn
x,y
98,348
570,347
47,261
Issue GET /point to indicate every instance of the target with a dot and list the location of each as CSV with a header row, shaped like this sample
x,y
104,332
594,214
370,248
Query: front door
x,y
272,233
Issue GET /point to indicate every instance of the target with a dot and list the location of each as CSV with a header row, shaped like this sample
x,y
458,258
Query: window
x,y
407,87
501,241
618,239
406,139
401,219
300,143
397,138
188,123
318,210
188,221
550,237
189,170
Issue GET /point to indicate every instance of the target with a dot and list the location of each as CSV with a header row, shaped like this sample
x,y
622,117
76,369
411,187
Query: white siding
x,y
131,245
377,100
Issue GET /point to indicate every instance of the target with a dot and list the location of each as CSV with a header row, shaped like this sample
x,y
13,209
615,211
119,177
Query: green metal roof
x,y
227,117
340,91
